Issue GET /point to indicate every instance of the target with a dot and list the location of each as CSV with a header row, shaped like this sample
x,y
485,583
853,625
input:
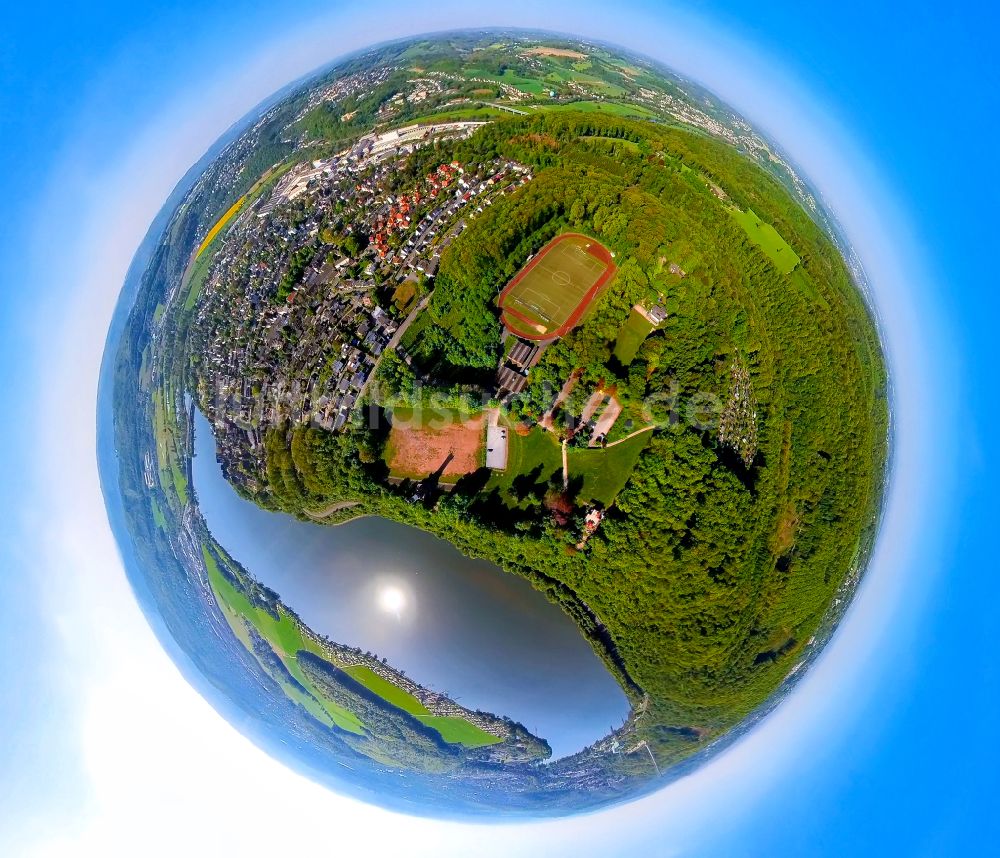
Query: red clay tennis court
x,y
548,297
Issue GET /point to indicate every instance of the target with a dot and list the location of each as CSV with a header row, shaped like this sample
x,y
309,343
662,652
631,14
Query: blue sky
x,y
887,748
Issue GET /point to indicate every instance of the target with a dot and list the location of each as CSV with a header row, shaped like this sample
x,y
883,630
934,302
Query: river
x,y
464,627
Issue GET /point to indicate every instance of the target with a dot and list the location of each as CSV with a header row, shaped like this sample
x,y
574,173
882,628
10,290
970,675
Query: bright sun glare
x,y
392,600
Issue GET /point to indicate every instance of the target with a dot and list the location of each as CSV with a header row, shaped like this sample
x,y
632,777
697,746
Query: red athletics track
x,y
597,250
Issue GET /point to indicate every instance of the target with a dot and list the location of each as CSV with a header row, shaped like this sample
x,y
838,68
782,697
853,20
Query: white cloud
x,y
162,772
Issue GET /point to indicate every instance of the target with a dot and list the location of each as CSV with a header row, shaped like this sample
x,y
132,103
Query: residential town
x,y
318,279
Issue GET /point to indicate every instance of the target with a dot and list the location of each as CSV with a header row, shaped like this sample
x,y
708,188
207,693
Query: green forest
x,y
712,571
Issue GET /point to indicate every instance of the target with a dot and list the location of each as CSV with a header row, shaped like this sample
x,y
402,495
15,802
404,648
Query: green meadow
x,y
768,239
631,336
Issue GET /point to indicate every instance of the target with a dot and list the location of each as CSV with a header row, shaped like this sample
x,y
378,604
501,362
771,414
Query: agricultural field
x,y
172,476
480,113
452,729
613,108
386,690
220,224
564,75
202,261
284,636
549,296
529,86
426,441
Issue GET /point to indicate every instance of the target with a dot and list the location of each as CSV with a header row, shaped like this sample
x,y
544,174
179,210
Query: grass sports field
x,y
548,297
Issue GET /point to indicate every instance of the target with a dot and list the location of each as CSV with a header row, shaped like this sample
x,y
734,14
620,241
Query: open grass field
x,y
386,690
602,87
198,273
158,517
605,472
481,113
768,239
452,729
435,441
458,731
629,145
631,336
543,51
802,281
527,85
537,456
614,108
548,297
173,480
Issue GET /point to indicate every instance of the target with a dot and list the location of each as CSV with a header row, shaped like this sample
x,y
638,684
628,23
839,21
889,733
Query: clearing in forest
x,y
428,441
768,239
631,337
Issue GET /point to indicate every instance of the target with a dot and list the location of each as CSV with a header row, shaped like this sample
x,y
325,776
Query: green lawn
x,y
526,453
562,75
406,414
386,690
768,239
605,472
405,295
525,84
628,145
631,336
179,480
458,731
802,280
452,729
158,517
199,273
173,480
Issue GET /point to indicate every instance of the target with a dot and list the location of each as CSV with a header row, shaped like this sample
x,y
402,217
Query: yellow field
x,y
220,224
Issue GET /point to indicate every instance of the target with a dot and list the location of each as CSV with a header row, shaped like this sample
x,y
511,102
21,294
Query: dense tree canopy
x,y
710,574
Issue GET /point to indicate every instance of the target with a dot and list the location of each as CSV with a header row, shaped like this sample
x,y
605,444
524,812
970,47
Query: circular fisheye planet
x,y
500,427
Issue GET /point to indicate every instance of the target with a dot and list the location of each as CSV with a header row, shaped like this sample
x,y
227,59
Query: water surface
x,y
460,626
